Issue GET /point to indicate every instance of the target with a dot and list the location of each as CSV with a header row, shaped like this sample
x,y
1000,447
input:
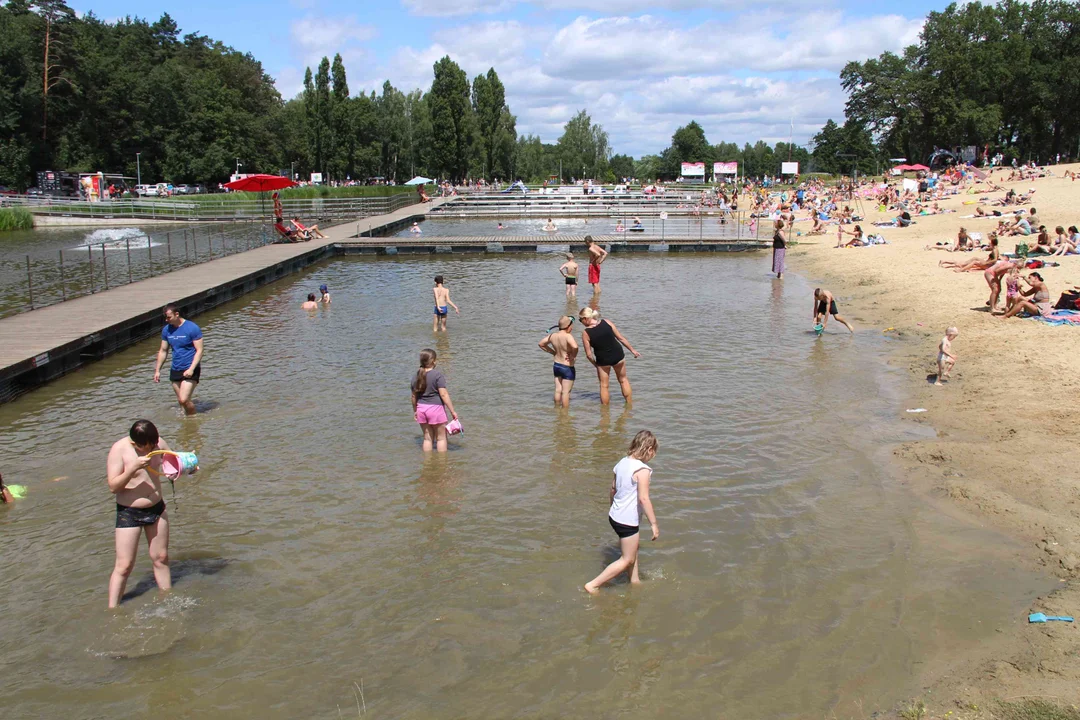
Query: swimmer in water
x,y
550,227
569,271
140,508
415,229
442,300
629,491
500,226
824,306
325,295
564,347
619,227
310,304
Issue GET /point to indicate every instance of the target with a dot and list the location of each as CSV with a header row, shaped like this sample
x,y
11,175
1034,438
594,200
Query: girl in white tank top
x,y
629,491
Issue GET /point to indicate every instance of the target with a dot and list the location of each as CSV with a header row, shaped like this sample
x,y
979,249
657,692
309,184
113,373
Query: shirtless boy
x,y
139,506
310,304
824,306
597,255
564,347
569,271
945,357
442,300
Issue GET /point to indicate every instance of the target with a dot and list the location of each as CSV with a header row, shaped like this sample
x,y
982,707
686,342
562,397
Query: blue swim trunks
x,y
565,372
441,311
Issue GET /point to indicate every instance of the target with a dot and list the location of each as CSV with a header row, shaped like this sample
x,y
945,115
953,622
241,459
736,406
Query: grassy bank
x,y
16,219
299,193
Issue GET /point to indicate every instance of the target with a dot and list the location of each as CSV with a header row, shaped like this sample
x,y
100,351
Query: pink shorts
x,y
431,415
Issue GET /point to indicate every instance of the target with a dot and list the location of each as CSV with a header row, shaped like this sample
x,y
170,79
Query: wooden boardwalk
x,y
552,239
43,344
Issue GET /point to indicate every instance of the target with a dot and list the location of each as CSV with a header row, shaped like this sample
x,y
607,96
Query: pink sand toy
x,y
454,427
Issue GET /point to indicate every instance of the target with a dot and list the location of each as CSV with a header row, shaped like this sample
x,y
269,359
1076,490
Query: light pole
x,y
238,166
138,170
292,173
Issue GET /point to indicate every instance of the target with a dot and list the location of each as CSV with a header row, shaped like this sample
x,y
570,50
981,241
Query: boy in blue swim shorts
x,y
564,347
442,301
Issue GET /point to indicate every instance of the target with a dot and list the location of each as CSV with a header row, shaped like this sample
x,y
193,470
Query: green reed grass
x,y
16,219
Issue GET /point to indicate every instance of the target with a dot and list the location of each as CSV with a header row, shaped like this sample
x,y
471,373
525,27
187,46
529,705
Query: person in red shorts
x,y
597,255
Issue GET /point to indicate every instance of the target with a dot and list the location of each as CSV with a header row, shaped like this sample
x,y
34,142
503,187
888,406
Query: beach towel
x,y
1060,317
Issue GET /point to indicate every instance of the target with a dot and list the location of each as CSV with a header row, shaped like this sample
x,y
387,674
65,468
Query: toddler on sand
x,y
945,357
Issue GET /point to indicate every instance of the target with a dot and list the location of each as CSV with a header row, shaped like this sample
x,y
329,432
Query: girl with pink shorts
x,y
431,401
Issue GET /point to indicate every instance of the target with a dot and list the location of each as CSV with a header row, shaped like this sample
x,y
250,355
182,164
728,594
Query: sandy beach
x,y
1006,424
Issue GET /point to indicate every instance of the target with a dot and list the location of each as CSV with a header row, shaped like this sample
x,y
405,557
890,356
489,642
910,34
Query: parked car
x,y
146,190
7,191
164,189
184,190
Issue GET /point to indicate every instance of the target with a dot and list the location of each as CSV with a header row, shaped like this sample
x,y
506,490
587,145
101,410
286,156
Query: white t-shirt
x,y
624,506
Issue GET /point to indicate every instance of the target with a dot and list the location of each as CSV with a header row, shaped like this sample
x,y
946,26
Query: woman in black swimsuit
x,y
604,348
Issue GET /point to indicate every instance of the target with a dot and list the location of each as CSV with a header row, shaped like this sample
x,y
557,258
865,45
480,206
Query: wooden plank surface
x,y
30,334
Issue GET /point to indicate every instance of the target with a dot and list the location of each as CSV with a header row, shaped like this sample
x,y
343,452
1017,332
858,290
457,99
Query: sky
x,y
641,68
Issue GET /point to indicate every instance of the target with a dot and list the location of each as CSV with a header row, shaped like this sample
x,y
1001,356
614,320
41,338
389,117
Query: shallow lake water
x,y
675,226
319,549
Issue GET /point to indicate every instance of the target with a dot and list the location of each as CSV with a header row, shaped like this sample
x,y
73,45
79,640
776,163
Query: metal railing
x,y
94,268
225,207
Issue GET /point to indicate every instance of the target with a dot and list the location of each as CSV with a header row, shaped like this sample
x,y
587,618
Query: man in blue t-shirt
x,y
185,339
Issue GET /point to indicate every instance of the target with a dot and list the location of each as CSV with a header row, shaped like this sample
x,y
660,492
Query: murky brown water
x,y
319,548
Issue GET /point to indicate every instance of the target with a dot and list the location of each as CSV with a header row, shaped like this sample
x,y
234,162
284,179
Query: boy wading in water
x,y
824,306
629,489
564,347
139,506
597,255
945,357
569,271
442,300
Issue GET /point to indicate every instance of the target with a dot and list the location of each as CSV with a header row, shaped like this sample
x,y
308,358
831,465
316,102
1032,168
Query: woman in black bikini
x,y
604,348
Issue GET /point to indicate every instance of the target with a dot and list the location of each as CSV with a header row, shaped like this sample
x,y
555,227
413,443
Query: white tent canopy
x,y
418,180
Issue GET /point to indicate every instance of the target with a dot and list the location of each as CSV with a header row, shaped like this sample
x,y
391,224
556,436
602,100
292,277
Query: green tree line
x,y
996,75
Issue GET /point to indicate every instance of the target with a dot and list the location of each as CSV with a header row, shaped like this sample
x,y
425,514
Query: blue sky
x,y
641,68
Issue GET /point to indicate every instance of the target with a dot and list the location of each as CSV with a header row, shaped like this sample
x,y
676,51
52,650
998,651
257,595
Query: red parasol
x,y
260,183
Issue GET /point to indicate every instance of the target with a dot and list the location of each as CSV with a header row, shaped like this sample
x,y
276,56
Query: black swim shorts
x,y
178,375
129,517
571,281
832,308
622,530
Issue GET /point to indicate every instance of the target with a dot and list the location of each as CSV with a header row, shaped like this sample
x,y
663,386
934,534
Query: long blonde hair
x,y
427,360
643,444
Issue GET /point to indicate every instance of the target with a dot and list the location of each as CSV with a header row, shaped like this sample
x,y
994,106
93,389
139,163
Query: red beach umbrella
x,y
260,183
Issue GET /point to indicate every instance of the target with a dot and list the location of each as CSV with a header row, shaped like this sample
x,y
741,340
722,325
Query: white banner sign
x,y
789,168
316,177
725,168
693,169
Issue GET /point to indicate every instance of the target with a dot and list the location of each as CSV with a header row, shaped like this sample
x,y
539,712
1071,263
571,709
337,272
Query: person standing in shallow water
x,y
604,349
442,304
630,494
779,249
185,339
139,506
569,272
430,401
597,255
564,347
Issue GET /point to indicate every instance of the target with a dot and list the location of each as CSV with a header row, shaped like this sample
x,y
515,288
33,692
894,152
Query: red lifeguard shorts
x,y
594,274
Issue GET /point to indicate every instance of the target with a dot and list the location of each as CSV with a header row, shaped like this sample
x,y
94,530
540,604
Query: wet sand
x,y
1005,451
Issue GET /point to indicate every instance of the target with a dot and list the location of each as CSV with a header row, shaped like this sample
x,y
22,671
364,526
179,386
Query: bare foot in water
x,y
591,590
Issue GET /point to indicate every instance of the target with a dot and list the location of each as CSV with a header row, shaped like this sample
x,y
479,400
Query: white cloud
x,y
452,8
314,37
642,77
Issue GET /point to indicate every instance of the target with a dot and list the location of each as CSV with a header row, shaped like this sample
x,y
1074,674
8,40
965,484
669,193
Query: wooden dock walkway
x,y
44,344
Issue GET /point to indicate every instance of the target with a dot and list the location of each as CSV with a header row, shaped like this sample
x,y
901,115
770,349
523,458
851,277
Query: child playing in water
x,y
310,304
945,357
569,271
629,491
442,300
324,295
5,494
